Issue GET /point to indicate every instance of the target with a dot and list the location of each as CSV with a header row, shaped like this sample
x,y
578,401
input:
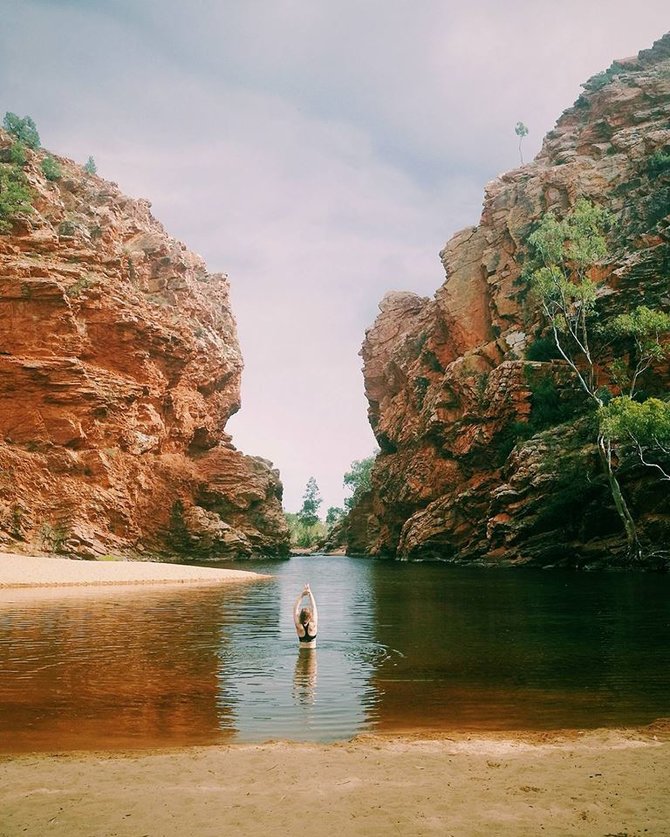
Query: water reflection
x,y
400,646
271,684
88,672
304,677
527,649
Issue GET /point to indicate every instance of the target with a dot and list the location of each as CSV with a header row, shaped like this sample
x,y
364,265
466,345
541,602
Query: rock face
x,y
446,379
119,368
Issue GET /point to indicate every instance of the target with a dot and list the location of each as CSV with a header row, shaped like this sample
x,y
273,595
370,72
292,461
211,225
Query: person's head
x,y
305,615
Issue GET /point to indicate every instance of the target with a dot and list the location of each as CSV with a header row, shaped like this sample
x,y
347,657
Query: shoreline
x,y
21,572
569,782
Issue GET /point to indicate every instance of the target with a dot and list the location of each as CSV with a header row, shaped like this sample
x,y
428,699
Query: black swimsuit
x,y
307,637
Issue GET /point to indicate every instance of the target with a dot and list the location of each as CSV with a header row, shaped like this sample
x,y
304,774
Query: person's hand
x,y
306,589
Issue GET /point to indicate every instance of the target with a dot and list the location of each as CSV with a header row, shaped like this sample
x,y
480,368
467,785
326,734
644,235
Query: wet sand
x,y
30,571
604,782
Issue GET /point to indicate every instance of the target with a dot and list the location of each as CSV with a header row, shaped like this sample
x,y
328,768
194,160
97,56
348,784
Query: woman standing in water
x,y
306,619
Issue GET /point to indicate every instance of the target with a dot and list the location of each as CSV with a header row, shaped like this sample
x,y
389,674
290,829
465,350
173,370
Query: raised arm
x,y
296,611
315,612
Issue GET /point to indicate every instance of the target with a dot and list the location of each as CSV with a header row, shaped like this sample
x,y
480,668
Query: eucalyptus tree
x,y
563,255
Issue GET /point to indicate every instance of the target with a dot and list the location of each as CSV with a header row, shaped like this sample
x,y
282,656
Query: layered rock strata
x,y
447,379
119,368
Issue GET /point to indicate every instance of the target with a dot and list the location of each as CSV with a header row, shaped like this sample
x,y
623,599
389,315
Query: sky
x,y
319,152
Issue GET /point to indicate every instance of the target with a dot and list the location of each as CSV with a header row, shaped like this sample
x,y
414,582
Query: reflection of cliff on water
x,y
499,649
137,668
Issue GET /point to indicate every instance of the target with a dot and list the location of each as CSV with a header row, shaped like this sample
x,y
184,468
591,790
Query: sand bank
x,y
31,571
599,783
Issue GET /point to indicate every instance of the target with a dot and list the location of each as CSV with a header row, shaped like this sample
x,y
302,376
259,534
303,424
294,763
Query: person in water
x,y
306,619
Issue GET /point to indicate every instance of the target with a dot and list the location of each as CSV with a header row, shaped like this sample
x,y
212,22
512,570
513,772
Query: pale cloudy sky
x,y
320,152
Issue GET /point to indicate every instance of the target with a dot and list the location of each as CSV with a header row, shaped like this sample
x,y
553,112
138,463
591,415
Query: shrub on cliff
x,y
658,163
17,154
51,169
15,195
23,129
90,166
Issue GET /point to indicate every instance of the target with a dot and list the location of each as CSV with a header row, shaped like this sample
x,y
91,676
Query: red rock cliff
x,y
119,368
445,377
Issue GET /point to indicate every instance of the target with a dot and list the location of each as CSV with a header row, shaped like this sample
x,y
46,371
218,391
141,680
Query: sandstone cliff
x,y
119,368
447,379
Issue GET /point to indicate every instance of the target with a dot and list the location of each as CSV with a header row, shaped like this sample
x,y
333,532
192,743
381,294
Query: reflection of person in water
x,y
306,619
304,679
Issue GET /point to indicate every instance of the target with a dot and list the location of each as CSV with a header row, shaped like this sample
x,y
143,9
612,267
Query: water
x,y
401,647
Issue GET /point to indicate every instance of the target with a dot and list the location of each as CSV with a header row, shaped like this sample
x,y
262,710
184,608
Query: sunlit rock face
x,y
446,378
119,368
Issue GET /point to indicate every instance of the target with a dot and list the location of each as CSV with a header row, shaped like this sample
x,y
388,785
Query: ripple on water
x,y
399,646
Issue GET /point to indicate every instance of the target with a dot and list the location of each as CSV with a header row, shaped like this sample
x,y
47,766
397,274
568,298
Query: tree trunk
x,y
634,548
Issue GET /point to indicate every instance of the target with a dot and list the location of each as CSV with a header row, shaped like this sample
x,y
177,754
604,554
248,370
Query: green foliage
x,y
561,256
658,163
600,80
542,349
646,423
53,538
421,388
333,515
547,407
358,479
432,361
305,537
15,195
23,129
51,169
17,154
90,166
643,329
521,131
311,500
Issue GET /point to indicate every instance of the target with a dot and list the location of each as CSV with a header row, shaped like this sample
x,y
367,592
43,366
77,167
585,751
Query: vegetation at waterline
x,y
564,255
308,530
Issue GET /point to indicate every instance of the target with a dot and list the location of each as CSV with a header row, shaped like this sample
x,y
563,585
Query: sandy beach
x,y
34,571
606,783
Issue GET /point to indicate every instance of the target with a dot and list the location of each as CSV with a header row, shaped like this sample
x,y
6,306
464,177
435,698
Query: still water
x,y
401,647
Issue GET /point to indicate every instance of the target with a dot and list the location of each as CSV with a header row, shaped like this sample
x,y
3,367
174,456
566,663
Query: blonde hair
x,y
306,615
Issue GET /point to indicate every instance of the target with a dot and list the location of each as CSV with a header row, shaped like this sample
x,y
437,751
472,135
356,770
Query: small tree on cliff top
x,y
563,255
24,129
521,131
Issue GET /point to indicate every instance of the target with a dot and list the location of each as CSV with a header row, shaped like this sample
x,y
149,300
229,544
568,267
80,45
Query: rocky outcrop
x,y
448,380
119,368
